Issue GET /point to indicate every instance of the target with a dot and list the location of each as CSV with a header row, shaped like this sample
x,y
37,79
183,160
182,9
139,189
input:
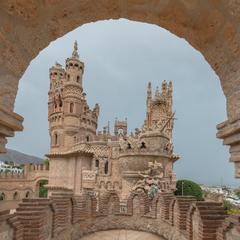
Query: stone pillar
x,y
9,122
229,131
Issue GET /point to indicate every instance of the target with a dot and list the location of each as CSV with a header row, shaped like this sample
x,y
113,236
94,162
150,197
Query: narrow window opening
x,y
143,145
97,163
106,168
15,196
71,107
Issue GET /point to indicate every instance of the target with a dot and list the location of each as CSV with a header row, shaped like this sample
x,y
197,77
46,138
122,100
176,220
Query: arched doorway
x,y
41,190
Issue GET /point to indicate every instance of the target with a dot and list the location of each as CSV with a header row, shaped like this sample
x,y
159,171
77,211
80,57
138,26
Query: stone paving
x,y
121,235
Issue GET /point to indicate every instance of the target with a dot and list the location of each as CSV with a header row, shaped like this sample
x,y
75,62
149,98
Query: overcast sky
x,y
120,58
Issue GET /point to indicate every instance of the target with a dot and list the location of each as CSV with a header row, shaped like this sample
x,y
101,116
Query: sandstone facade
x,y
82,159
65,216
16,186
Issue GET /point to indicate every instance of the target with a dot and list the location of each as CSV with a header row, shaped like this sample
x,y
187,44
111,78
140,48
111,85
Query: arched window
x,y
143,145
68,77
2,196
15,196
106,167
87,138
75,139
97,163
55,139
27,195
78,78
60,103
129,146
71,107
120,131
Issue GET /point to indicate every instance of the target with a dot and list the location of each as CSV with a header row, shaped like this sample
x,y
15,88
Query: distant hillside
x,y
19,158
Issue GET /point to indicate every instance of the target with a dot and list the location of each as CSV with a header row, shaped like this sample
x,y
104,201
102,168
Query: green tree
x,y
46,162
189,188
43,192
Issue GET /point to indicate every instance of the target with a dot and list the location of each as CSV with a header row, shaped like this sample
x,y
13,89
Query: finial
x,y
157,94
170,88
75,50
164,86
149,84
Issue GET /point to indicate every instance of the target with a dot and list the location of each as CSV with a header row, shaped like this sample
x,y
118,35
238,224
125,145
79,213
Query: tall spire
x,y
149,91
75,50
164,88
157,93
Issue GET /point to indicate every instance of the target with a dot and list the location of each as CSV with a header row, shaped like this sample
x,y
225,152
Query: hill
x,y
19,157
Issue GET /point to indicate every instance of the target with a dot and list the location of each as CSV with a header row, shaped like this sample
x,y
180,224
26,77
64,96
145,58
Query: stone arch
x,y
2,196
28,194
210,27
116,185
163,203
15,196
37,185
204,219
109,185
91,205
192,229
110,203
139,206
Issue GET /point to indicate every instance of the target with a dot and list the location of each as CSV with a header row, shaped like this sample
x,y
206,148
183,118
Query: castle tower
x,y
159,108
120,128
70,118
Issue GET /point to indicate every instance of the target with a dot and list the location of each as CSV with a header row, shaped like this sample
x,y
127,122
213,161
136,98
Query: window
x,y
68,77
27,194
55,139
129,146
97,163
15,196
143,145
106,167
2,196
78,78
87,138
71,107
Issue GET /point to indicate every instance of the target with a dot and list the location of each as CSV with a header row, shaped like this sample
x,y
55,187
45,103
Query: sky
x,y
120,58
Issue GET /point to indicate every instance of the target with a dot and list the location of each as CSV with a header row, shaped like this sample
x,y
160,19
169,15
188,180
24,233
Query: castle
x,y
99,181
83,159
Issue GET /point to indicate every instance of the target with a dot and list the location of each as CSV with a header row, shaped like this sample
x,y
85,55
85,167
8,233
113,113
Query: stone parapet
x,y
65,216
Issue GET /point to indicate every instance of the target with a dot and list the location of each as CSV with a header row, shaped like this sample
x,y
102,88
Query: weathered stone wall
x,y
209,26
69,217
16,186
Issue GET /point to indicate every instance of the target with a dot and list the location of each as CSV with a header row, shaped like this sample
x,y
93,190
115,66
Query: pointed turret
x,y
75,50
149,105
157,93
164,89
70,118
